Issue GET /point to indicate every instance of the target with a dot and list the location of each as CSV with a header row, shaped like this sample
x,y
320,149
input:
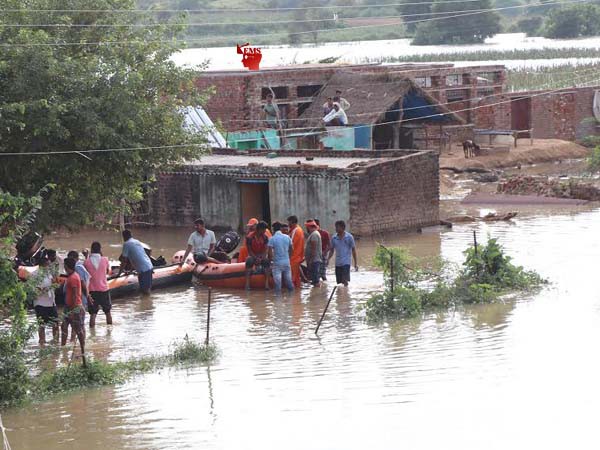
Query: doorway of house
x,y
406,138
520,112
254,198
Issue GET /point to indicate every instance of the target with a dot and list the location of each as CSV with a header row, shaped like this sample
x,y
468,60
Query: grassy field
x,y
493,55
560,76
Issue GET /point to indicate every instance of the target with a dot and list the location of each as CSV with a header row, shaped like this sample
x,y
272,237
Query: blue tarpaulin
x,y
416,106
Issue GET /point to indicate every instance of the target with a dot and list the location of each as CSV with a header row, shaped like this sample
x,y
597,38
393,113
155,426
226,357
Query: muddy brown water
x,y
516,374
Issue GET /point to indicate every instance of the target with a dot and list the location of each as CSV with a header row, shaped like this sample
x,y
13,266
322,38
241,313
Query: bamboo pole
x,y
326,306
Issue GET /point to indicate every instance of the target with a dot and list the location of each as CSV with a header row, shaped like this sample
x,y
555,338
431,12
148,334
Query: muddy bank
x,y
542,150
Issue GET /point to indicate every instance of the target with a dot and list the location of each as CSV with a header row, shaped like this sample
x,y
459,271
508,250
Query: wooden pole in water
x,y
208,317
392,270
476,251
326,306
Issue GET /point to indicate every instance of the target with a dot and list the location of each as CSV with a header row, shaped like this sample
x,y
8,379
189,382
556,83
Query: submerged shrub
x,y
76,376
188,351
101,373
486,274
402,302
593,161
489,265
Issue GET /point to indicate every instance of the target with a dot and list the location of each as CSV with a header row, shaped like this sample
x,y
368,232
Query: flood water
x,y
226,58
516,374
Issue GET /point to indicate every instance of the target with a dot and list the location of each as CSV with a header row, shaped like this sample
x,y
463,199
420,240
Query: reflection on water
x,y
483,376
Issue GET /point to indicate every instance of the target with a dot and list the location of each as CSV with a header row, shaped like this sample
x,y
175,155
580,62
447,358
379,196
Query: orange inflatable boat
x,y
126,284
231,275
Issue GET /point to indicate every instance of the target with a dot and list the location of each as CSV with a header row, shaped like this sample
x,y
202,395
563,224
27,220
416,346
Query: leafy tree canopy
x,y
467,28
573,21
122,93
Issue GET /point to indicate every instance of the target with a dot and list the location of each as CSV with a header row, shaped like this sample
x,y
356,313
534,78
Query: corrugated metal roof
x,y
197,120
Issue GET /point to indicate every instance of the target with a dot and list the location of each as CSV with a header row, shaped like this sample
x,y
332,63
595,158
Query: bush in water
x,y
593,161
100,373
486,274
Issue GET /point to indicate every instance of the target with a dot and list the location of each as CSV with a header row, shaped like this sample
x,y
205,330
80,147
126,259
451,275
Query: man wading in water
x,y
73,305
257,245
134,252
342,244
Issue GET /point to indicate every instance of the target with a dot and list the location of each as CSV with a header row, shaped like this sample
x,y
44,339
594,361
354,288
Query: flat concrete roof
x,y
244,160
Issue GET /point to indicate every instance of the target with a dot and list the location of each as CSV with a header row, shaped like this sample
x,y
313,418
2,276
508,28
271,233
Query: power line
x,y
104,150
221,10
545,92
243,37
202,24
63,152
453,88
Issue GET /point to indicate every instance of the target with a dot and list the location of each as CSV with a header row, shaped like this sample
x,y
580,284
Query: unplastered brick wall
x,y
401,194
174,199
564,114
238,95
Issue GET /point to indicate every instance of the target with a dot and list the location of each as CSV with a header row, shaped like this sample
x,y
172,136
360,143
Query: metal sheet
x,y
219,199
327,199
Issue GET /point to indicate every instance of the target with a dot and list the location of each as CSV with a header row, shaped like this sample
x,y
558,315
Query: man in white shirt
x,y
344,104
336,117
201,244
44,305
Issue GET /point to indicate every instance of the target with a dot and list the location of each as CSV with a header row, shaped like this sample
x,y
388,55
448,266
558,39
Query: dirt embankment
x,y
542,150
549,187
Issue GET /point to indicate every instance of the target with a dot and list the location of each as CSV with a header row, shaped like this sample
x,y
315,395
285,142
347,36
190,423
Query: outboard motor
x,y
29,249
228,242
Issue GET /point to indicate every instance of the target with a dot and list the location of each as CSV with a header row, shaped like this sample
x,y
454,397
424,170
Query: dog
x,y
470,148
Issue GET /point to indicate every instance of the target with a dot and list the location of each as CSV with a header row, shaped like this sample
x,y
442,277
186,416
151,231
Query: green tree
x,y
573,21
529,25
16,215
468,28
122,93
416,11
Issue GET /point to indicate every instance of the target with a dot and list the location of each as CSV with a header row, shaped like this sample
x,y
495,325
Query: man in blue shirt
x,y
134,252
345,250
280,249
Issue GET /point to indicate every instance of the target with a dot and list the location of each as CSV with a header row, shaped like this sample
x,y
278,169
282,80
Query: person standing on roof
x,y
336,117
297,236
271,113
344,104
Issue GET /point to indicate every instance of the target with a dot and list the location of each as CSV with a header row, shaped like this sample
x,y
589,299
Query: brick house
x,y
239,94
373,191
387,111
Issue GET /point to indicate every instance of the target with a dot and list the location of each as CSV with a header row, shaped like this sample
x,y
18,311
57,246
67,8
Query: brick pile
x,y
547,187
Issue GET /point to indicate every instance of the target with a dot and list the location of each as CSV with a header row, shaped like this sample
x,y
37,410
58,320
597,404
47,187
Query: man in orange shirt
x,y
251,227
297,235
73,306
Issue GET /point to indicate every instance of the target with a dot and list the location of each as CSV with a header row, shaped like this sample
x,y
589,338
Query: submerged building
x,y
373,191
